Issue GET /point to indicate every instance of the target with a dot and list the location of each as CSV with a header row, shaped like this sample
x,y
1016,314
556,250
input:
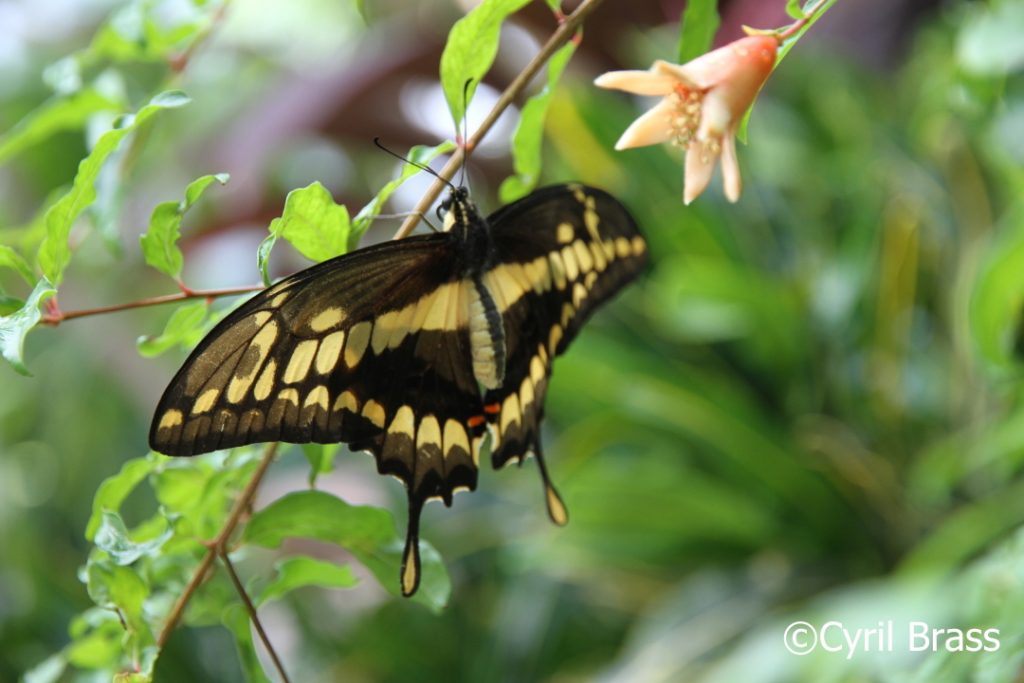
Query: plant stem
x,y
795,27
56,317
218,545
254,616
562,35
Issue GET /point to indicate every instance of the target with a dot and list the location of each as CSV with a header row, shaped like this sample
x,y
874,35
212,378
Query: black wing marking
x,y
561,252
370,348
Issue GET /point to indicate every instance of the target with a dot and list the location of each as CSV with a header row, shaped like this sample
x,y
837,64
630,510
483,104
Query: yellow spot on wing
x,y
510,412
639,246
579,293
374,412
572,269
557,269
537,371
264,339
554,337
583,257
205,402
622,247
347,401
330,351
358,339
403,423
298,364
318,397
591,219
326,319
265,384
171,418
291,395
455,437
526,394
564,233
600,255
429,433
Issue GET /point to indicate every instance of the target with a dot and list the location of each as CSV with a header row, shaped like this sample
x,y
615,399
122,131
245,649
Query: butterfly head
x,y
457,212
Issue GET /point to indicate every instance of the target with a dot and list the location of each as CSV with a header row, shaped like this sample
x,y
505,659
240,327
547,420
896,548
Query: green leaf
x,y
297,572
9,258
9,304
99,647
470,50
528,138
115,489
184,328
113,538
420,154
14,327
54,253
320,457
313,224
997,304
697,28
114,586
58,114
794,8
367,532
160,243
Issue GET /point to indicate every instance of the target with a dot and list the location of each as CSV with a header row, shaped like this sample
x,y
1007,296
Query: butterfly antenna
x,y
422,167
465,131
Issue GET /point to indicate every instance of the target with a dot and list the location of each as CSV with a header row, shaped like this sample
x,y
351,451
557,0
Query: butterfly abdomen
x,y
486,337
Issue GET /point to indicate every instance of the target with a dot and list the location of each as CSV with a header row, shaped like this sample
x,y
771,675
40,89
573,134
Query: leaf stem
x,y
251,608
562,35
795,27
218,545
54,316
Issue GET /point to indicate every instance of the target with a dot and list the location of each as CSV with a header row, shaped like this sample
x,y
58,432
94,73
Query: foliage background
x,y
808,409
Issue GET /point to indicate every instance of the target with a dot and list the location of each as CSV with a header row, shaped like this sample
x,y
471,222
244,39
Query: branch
x,y
565,32
218,545
55,316
252,615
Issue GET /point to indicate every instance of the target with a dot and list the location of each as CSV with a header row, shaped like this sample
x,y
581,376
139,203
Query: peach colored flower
x,y
702,103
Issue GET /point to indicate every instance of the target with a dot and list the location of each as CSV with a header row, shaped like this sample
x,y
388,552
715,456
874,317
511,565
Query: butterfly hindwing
x,y
567,249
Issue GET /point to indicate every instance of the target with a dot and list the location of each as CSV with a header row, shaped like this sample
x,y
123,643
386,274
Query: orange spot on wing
x,y
476,421
492,408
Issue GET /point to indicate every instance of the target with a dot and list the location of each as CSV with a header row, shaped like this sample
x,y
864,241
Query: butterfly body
x,y
415,349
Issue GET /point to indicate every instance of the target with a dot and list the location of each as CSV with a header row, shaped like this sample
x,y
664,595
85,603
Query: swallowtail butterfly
x,y
413,349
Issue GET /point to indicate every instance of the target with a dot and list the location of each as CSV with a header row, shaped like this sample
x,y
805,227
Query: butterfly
x,y
414,350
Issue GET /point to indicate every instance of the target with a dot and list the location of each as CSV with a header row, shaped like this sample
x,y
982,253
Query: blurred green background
x,y
808,409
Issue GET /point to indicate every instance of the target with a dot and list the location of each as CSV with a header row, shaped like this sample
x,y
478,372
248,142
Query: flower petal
x,y
731,168
700,163
716,116
753,54
651,128
637,82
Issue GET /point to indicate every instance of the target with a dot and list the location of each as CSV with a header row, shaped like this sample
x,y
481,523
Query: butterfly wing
x,y
369,348
561,252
